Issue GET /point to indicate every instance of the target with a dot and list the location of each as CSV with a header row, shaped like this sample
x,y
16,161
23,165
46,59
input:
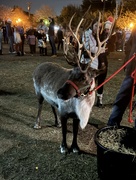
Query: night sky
x,y
57,5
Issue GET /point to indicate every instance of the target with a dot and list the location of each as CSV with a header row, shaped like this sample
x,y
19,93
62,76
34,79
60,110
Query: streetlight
x,y
131,25
29,7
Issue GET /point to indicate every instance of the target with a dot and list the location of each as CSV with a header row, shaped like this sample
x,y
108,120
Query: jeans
x,y
11,42
53,46
122,100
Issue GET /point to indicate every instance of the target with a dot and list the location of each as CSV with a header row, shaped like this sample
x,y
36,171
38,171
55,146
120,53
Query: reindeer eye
x,y
83,78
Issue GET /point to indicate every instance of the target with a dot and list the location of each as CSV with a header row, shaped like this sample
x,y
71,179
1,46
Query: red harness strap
x,y
78,90
74,85
133,75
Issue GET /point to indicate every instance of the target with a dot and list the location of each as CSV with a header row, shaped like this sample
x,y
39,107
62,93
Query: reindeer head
x,y
78,84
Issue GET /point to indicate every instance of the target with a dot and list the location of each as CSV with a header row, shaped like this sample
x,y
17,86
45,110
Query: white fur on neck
x,y
84,108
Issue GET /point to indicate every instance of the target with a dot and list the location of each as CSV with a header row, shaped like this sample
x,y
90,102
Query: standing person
x,y
60,38
41,36
29,32
4,34
42,26
90,43
102,60
1,37
119,40
10,36
31,39
17,41
51,34
22,35
124,95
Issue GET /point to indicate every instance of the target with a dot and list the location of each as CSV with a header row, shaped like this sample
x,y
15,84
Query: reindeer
x,y
70,91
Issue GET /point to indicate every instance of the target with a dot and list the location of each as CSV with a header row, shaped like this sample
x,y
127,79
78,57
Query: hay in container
x,y
112,139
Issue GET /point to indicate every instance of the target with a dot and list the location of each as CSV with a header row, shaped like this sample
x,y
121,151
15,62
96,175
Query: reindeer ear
x,y
96,72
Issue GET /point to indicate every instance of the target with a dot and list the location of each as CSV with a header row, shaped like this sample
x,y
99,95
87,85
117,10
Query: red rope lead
x,y
96,88
134,84
133,75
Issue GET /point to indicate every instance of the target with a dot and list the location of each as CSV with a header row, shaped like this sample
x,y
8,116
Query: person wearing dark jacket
x,y
103,61
51,34
1,36
41,36
60,38
10,36
125,93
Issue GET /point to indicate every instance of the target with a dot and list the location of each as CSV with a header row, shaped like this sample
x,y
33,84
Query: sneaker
x,y
54,55
14,52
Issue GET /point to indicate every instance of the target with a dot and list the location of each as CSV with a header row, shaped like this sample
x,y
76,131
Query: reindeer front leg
x,y
38,119
63,147
74,146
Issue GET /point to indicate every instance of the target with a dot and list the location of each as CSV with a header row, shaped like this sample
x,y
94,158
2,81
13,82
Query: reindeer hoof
x,y
74,149
36,126
63,150
58,125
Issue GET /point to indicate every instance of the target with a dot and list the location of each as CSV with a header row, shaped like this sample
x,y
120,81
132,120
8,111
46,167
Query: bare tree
x,y
43,13
5,12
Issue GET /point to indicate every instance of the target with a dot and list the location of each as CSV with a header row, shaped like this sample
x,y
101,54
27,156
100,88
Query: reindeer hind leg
x,y
38,119
57,119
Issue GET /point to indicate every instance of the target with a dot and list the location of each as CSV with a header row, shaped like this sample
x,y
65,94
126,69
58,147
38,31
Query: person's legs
x,y
58,45
0,46
100,79
33,49
11,41
52,43
61,45
102,63
22,45
122,100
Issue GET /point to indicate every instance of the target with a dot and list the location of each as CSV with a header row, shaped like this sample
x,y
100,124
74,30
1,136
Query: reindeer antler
x,y
101,45
75,57
71,55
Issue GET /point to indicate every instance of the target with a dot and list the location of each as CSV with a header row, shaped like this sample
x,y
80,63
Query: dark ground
x,y
29,154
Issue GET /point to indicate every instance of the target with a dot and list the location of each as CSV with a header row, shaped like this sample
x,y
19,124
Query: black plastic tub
x,y
114,165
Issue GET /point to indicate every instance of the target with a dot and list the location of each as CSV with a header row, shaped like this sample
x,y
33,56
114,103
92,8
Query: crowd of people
x,y
16,37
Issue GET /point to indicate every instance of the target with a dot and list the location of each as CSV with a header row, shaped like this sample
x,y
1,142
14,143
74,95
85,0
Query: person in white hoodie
x,y
90,43
17,41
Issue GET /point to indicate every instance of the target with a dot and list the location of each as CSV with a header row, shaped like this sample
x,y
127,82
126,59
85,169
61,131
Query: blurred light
x,y
131,25
56,28
18,20
46,21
